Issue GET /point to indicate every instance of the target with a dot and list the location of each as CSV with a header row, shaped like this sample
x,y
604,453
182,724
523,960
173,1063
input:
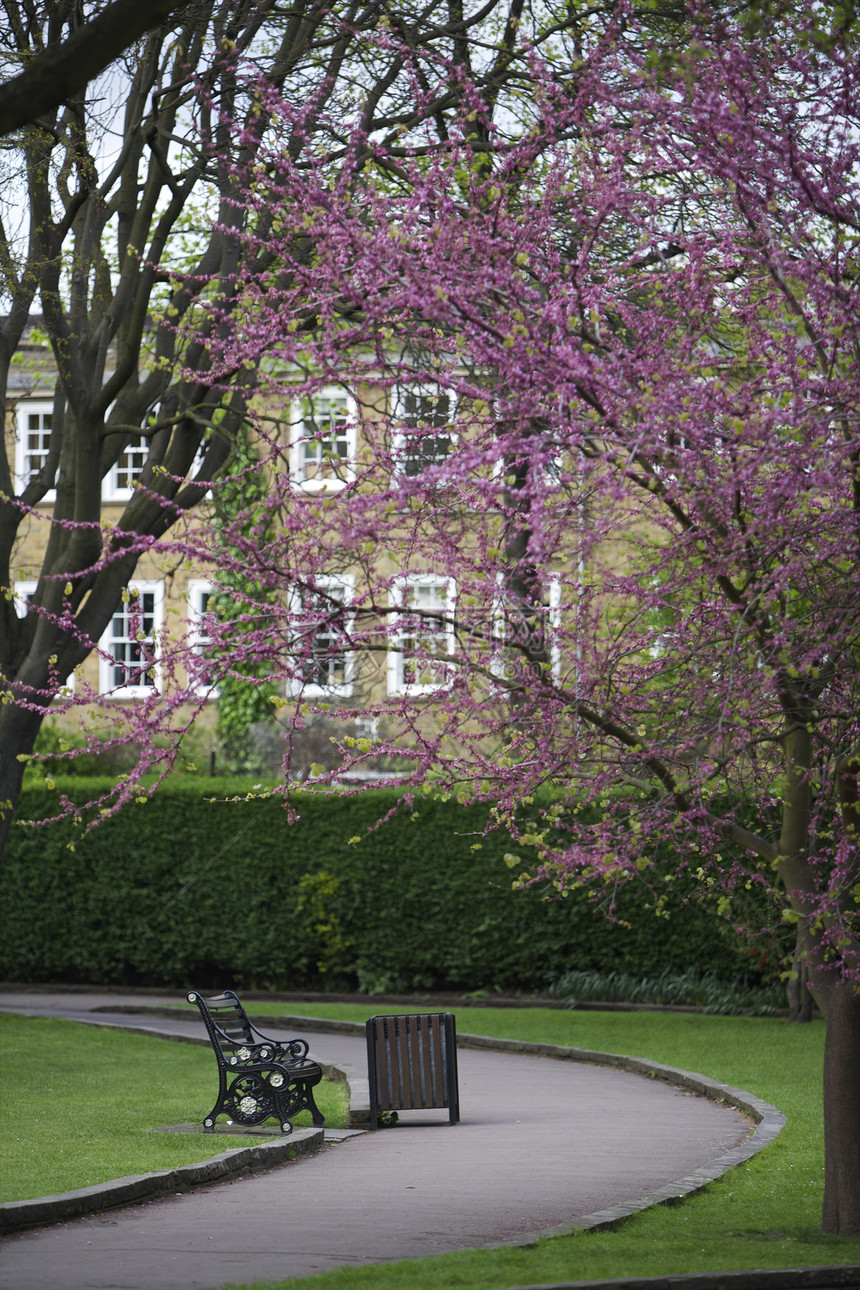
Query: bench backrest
x,y
227,1023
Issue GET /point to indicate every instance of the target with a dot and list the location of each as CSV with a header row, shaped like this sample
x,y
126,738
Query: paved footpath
x,y
541,1143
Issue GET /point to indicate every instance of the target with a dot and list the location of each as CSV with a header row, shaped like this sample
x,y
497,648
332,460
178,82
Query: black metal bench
x,y
258,1077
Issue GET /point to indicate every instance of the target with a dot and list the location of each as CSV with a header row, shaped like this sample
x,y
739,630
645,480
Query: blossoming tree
x,y
627,568
587,516
117,222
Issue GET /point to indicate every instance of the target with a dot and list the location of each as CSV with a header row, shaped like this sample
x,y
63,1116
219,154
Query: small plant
x,y
691,988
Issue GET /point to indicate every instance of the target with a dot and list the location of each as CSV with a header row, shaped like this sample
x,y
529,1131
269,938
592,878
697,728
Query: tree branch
x,y
53,76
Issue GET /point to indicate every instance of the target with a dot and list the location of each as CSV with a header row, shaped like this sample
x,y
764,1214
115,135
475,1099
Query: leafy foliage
x,y
693,987
191,890
245,692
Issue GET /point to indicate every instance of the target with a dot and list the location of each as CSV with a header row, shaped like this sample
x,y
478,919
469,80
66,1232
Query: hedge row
x,y
186,890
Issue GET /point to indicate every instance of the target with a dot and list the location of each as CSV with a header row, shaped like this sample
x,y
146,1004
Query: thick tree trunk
x,y
18,731
842,1110
837,997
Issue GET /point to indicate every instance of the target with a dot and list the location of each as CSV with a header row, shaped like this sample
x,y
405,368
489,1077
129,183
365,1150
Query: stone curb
x,y
768,1120
18,1214
409,1002
834,1277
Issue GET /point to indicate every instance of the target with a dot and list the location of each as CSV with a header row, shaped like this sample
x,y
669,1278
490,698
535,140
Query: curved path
x,y
540,1145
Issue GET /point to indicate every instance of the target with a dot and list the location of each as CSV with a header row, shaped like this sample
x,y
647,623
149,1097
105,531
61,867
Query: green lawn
x,y
766,1214
80,1105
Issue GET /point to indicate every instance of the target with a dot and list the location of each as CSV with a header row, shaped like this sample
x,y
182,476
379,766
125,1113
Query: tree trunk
x,y
800,1001
841,1006
18,731
837,997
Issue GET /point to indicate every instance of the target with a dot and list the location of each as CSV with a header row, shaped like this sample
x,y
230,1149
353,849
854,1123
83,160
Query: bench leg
x,y
209,1122
298,1096
316,1114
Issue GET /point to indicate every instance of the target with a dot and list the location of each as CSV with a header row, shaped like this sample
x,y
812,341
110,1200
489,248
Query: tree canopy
x,y
638,538
591,501
119,242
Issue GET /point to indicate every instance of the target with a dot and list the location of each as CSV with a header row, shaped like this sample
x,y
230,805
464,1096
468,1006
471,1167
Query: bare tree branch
x,y
62,70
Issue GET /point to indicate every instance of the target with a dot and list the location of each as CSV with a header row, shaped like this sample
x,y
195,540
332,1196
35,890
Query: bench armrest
x,y
292,1050
285,1050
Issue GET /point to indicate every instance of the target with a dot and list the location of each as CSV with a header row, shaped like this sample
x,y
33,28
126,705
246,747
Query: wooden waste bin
x,y
412,1063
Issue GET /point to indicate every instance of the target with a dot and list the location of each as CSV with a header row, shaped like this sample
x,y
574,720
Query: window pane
x,y
36,443
325,438
327,663
422,638
425,417
130,465
132,645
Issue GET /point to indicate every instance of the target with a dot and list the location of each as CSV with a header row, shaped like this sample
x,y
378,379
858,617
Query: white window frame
x,y
397,657
552,608
301,438
343,585
107,662
400,438
23,468
553,624
113,491
198,637
22,590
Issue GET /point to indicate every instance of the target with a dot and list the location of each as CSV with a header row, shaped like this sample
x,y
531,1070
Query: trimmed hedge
x,y
424,902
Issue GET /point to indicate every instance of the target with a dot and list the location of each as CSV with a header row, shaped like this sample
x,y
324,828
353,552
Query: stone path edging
x,y
18,1214
769,1120
834,1277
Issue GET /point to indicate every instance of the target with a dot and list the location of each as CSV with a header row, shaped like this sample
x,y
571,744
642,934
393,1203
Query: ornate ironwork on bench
x,y
258,1077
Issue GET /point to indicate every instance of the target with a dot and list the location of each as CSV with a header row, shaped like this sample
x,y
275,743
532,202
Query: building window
x,y
324,662
423,635
23,592
32,442
201,671
527,632
322,451
422,436
126,471
128,665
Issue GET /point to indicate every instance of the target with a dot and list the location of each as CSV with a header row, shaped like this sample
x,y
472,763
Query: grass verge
x,y
80,1105
766,1214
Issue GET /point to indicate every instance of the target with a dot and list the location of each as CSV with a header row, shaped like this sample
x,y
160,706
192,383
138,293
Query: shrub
x,y
186,889
692,987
